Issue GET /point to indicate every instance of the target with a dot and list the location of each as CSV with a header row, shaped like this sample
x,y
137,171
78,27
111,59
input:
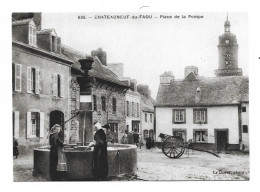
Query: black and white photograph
x,y
130,96
140,95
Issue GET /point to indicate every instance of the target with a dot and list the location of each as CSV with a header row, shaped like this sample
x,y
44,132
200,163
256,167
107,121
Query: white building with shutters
x,y
41,81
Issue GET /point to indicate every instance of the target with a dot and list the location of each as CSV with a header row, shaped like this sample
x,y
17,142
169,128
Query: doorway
x,y
222,140
135,126
114,131
145,134
57,117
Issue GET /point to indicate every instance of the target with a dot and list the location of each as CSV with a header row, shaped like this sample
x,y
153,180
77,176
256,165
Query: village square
x,y
68,103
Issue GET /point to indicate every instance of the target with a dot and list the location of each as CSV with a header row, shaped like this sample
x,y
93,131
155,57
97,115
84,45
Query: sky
x,y
149,47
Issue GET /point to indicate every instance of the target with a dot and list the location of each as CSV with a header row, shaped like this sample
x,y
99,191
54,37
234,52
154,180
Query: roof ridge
x,y
46,30
22,21
75,50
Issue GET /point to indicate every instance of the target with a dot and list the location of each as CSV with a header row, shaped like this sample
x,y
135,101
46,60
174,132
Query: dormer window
x,y
53,43
32,35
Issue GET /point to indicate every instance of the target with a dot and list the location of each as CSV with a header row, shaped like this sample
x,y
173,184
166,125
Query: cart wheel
x,y
173,147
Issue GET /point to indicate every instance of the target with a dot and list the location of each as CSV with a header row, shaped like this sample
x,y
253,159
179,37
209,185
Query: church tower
x,y
228,53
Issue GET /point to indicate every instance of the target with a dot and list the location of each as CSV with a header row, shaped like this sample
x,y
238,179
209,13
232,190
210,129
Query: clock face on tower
x,y
227,41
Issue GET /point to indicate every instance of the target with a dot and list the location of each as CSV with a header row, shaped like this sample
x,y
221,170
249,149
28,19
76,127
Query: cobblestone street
x,y
153,165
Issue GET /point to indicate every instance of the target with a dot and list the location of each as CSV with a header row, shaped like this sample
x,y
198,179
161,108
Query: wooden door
x,y
221,140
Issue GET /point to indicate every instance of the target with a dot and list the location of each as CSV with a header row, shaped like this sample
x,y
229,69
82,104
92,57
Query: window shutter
x,y
18,74
54,84
29,79
194,116
173,116
16,124
37,81
61,86
41,124
29,125
206,117
184,114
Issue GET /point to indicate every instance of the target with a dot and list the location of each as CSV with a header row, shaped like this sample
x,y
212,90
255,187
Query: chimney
x,y
117,68
133,85
166,78
143,90
102,55
190,69
37,17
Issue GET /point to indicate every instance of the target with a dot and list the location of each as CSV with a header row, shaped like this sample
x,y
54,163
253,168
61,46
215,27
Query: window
x,y
243,109
200,136
182,133
58,85
103,103
32,35
33,83
113,135
127,109
114,105
17,77
16,124
127,127
245,129
135,126
53,44
137,109
35,124
94,102
179,116
151,134
145,117
199,116
33,76
151,118
133,109
35,118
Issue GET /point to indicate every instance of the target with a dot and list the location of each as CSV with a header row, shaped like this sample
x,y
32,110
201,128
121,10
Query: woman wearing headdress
x,y
56,145
99,158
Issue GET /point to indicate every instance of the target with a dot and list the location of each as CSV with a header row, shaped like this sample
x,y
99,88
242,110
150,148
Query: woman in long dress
x,y
99,158
56,145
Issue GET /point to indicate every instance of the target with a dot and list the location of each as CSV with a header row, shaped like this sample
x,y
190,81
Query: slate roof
x,y
147,104
61,57
212,91
98,69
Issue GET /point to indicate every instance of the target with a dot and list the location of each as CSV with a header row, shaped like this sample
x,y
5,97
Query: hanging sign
x,y
85,99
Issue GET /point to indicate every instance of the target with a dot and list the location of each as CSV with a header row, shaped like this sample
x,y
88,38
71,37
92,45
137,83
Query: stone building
x,y
106,102
133,107
133,99
211,111
147,112
139,104
40,82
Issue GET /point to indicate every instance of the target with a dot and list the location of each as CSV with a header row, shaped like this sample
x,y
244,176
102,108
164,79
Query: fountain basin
x,y
122,159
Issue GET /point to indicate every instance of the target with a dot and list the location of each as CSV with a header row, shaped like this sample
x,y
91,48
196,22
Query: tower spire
x,y
227,25
227,16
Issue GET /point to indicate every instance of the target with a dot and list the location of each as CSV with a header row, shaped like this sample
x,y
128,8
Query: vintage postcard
x,y
154,96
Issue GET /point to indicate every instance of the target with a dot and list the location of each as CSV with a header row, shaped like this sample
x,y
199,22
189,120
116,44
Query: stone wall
x,y
74,104
109,116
